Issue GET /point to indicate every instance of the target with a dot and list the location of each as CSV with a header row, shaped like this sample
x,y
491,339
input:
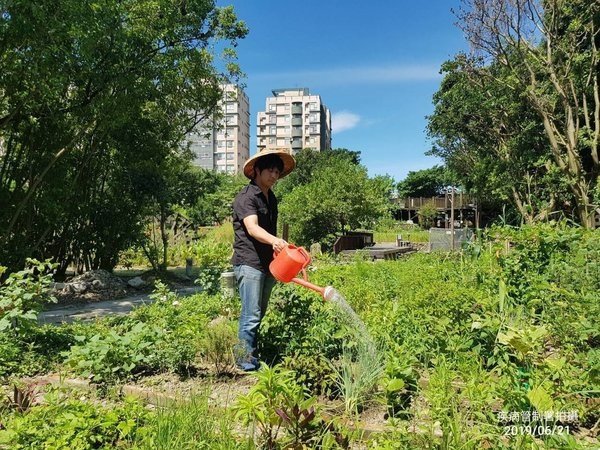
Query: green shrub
x,y
106,358
63,422
277,402
305,333
219,344
22,296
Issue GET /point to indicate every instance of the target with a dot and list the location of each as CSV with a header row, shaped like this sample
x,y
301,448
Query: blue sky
x,y
375,65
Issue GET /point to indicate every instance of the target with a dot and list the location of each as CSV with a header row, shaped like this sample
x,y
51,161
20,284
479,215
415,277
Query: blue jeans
x,y
255,289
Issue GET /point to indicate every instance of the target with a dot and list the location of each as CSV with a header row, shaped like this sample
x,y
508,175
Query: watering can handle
x,y
307,256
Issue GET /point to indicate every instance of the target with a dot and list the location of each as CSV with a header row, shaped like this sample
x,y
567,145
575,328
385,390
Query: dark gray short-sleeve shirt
x,y
247,250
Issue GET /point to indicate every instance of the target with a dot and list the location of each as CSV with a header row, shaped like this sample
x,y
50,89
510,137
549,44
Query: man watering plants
x,y
255,229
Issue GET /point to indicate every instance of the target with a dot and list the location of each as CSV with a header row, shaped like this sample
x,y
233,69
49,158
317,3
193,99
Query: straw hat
x,y
289,163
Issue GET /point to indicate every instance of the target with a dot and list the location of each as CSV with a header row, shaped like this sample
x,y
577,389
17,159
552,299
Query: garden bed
x,y
470,347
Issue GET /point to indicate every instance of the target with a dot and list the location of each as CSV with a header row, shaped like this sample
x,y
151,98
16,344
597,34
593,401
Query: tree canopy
x,y
539,61
94,98
337,196
424,183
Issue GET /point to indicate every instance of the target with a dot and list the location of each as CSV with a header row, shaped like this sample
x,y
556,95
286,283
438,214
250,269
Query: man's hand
x,y
279,244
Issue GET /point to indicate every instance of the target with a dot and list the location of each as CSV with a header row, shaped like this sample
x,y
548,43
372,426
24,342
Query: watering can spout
x,y
326,292
288,263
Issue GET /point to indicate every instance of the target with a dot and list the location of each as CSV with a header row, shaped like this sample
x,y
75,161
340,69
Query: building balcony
x,y
297,132
297,144
296,109
296,120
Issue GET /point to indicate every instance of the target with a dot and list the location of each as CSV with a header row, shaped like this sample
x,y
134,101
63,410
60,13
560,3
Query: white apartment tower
x,y
294,119
223,144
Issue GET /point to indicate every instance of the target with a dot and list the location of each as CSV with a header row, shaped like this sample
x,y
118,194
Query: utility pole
x,y
452,217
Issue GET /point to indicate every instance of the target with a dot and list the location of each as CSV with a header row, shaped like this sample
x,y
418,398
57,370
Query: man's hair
x,y
269,162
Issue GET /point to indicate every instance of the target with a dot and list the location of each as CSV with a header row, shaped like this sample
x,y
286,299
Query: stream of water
x,y
362,334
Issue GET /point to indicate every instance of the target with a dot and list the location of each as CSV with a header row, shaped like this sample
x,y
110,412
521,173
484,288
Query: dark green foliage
x,y
337,197
166,335
303,332
95,101
26,348
425,183
64,422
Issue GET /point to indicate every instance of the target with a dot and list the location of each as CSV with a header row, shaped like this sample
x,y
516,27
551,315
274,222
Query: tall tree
x,y
491,138
92,97
339,197
424,183
551,49
309,161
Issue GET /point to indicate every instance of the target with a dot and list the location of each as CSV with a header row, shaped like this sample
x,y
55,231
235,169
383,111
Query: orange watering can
x,y
289,262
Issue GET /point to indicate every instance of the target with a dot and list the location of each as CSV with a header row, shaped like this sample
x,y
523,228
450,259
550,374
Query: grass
x,y
192,424
411,236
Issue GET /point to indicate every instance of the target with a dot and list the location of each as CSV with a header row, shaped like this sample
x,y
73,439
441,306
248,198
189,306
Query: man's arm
x,y
262,235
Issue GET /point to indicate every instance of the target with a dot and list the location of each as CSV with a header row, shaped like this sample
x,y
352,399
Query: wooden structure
x,y
356,241
451,207
353,240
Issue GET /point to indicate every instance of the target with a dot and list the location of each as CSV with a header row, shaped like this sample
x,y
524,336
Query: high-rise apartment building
x,y
294,119
223,144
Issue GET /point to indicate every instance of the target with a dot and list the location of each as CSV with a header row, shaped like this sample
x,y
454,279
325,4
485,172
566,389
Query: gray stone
x,y
136,282
315,249
97,285
79,287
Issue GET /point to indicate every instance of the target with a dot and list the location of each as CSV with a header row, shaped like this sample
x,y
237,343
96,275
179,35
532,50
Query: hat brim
x,y
289,163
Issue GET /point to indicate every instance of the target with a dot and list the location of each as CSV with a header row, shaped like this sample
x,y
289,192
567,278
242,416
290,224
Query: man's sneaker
x,y
248,364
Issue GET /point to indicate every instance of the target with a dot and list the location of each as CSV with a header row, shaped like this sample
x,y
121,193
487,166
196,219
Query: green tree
x,y
93,98
550,50
424,183
308,161
490,137
215,206
339,197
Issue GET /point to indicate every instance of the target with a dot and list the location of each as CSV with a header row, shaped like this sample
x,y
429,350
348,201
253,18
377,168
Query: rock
x,y
79,287
136,282
98,285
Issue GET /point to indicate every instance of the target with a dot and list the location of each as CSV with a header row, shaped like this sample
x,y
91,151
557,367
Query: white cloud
x,y
357,75
344,120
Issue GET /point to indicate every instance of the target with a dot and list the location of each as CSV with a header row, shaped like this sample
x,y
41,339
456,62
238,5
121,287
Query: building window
x,y
271,140
272,107
230,156
219,156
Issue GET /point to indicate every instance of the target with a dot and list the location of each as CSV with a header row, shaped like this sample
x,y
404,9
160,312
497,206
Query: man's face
x,y
267,177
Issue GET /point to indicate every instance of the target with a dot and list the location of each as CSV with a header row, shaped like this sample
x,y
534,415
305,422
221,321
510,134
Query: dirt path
x,y
56,314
